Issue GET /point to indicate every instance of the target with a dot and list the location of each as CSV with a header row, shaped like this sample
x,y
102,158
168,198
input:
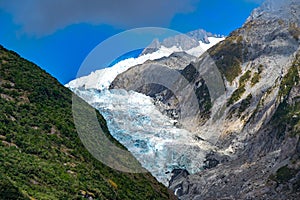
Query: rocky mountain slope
x,y
185,42
41,155
256,132
260,64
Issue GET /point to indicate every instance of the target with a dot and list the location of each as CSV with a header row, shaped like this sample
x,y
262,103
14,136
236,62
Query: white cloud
x,y
42,17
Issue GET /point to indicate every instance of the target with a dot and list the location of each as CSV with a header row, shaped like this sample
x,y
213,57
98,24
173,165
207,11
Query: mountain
x,y
253,122
42,156
260,128
234,109
194,45
189,42
101,79
135,122
202,35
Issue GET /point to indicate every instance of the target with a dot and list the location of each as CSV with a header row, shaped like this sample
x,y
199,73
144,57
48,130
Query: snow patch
x,y
101,79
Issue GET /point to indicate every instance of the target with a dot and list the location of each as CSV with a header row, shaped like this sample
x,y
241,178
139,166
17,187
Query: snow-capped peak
x,y
277,9
101,79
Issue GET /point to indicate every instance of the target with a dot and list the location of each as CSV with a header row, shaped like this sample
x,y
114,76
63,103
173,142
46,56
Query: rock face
x,y
182,41
257,126
167,80
260,63
201,35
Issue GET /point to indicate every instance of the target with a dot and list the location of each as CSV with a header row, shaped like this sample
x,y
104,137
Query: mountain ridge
x,y
101,79
260,67
184,42
252,122
42,156
259,63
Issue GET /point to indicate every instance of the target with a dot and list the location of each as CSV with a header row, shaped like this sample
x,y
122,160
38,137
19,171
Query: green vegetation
x,y
236,95
9,191
244,79
288,115
284,174
228,56
286,122
294,31
280,22
256,75
291,79
240,91
245,103
255,78
249,25
41,155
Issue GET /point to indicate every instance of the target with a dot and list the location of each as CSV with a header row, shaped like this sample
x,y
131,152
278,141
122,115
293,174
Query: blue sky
x,y
57,35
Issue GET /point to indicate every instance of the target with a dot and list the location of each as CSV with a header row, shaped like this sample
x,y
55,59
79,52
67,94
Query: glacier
x,y
134,120
150,136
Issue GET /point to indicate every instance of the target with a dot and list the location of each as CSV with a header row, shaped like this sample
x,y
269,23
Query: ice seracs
x,y
150,136
136,122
